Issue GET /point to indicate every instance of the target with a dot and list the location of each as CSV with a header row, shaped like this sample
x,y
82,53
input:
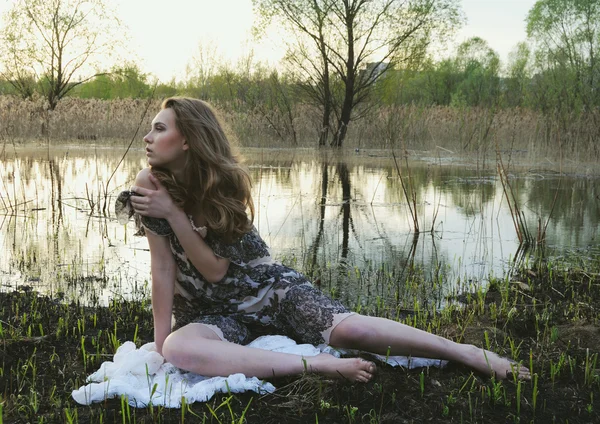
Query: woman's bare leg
x,y
197,348
379,335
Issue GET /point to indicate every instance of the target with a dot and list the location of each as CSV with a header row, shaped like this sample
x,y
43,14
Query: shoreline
x,y
542,166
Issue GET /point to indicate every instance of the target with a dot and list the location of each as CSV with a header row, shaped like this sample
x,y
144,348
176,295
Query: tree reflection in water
x,y
333,216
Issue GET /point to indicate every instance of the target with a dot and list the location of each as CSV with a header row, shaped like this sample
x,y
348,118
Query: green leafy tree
x,y
433,83
122,82
57,43
442,81
479,65
566,34
223,85
519,75
130,82
164,90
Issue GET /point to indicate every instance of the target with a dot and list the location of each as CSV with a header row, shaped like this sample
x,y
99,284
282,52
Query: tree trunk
x,y
350,66
324,135
346,113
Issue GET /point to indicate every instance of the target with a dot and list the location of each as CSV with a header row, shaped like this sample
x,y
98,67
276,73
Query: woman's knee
x,y
185,344
173,348
353,332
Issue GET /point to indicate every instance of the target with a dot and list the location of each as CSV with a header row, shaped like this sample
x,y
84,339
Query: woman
x,y
212,270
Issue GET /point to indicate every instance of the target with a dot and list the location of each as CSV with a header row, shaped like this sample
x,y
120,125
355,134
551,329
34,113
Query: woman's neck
x,y
178,174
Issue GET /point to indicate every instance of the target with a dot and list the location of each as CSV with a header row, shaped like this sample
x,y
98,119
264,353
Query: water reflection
x,y
323,213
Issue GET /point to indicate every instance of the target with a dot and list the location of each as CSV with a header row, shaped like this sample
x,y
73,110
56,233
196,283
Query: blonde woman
x,y
213,272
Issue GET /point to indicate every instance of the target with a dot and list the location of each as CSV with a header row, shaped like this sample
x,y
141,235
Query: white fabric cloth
x,y
143,376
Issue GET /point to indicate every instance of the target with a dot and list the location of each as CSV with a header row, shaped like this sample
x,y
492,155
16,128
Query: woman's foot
x,y
352,369
492,364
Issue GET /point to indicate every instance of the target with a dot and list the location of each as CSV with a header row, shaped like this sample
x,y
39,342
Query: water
x,y
318,211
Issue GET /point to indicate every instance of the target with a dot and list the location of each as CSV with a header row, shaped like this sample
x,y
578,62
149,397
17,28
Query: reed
x,y
467,129
517,215
409,193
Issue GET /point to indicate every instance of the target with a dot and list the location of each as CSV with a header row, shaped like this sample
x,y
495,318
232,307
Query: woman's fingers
x,y
155,203
155,181
138,200
140,191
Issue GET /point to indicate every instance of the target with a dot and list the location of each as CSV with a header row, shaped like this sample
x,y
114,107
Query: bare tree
x,y
307,53
56,43
18,63
203,65
355,42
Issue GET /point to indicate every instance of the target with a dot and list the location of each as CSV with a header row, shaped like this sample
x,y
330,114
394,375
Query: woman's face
x,y
165,145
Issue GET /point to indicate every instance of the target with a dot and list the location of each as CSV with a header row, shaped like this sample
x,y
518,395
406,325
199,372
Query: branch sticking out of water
x,y
517,215
409,198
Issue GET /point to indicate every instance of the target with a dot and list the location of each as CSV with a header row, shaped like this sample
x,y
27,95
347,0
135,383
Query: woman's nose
x,y
147,138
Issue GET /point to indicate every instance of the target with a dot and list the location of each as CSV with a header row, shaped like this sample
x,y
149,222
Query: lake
x,y
342,218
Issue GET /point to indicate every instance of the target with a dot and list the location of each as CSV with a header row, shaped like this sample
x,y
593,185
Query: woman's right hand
x,y
155,203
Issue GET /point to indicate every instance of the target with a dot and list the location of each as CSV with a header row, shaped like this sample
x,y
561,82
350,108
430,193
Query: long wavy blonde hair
x,y
215,183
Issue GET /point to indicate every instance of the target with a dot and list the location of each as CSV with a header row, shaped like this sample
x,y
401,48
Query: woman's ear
x,y
185,146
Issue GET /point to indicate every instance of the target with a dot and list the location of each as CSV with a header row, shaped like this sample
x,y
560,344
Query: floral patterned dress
x,y
257,295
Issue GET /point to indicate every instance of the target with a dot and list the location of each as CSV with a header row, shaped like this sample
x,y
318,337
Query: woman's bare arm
x,y
164,273
156,202
212,267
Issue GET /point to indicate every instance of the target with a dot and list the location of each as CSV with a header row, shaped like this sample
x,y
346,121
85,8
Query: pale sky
x,y
500,22
165,34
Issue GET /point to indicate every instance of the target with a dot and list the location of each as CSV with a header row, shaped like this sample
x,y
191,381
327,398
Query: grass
x,y
545,315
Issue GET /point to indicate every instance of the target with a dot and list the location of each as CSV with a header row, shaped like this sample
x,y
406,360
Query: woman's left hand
x,y
153,203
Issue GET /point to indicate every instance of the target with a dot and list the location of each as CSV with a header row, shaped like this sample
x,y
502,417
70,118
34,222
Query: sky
x,y
164,35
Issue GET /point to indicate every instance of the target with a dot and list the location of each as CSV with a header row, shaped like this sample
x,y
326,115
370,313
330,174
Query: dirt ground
x,y
551,322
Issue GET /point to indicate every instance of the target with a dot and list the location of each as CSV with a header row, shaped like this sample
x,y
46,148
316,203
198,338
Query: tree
x,y
518,71
432,83
479,65
57,43
201,68
308,55
126,81
355,42
567,37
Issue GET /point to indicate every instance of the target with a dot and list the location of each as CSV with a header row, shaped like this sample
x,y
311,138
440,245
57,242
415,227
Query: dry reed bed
x,y
424,128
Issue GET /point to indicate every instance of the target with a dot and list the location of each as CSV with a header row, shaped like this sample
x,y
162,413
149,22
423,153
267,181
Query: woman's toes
x,y
370,367
521,374
518,371
368,370
364,377
352,369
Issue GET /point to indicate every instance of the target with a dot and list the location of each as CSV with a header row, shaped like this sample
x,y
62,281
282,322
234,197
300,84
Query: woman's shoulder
x,y
142,178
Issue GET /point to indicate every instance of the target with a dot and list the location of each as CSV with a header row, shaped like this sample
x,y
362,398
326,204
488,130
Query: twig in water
x,y
516,214
412,208
133,138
